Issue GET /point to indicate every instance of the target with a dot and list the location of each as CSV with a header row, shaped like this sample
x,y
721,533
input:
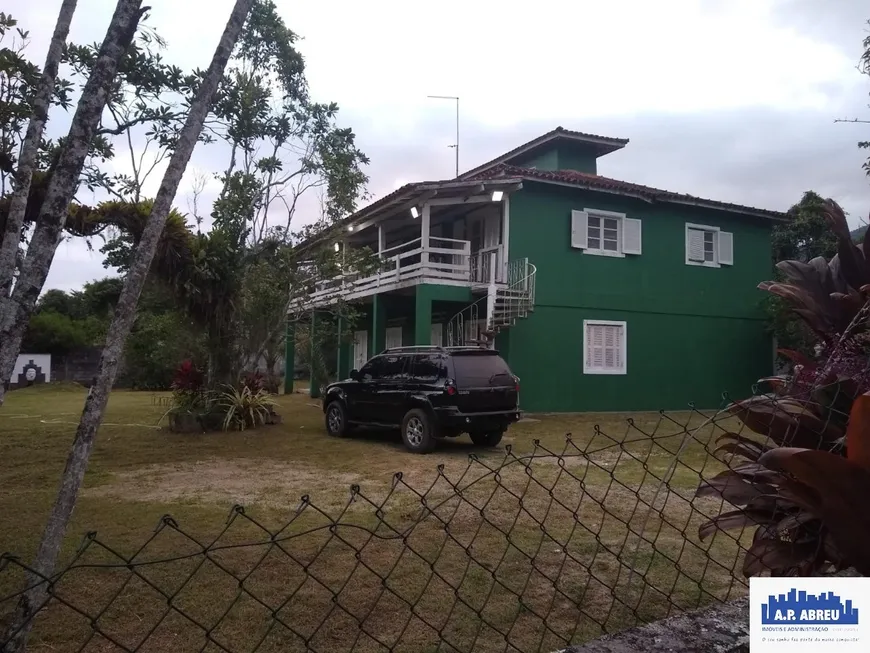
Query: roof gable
x,y
599,145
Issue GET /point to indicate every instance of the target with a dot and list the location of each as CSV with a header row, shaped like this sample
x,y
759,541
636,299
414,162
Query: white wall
x,y
42,360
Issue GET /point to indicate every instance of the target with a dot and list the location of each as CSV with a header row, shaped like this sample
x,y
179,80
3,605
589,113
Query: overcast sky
x,y
732,100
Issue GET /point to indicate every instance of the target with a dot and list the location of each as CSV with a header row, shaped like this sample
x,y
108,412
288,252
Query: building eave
x,y
599,184
415,194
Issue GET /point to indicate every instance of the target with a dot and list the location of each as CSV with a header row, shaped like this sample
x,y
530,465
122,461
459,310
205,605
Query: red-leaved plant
x,y
187,378
804,484
253,381
188,387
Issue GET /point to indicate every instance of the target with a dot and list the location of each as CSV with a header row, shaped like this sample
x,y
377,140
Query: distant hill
x,y
858,234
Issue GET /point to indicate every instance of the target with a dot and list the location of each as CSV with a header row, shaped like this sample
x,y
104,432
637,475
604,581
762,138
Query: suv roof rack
x,y
411,349
408,349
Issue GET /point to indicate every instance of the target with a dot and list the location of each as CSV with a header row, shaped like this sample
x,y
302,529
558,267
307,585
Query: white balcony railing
x,y
445,259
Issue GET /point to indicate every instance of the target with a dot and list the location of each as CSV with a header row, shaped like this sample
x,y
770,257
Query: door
x,y
438,335
394,337
475,235
491,243
485,239
458,233
360,349
473,328
426,375
366,389
388,394
492,231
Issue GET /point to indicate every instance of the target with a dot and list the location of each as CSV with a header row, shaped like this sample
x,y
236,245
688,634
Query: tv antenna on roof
x,y
455,146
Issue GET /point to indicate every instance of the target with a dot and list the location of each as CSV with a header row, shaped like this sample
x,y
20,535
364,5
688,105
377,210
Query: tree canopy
x,y
230,269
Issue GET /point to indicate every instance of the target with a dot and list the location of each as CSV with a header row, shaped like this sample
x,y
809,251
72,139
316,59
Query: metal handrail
x,y
508,305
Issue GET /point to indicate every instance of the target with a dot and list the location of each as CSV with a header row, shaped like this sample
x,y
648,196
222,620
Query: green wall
x,y
548,160
572,156
692,332
563,156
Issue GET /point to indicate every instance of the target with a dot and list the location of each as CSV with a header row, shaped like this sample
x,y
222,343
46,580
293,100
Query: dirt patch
x,y
240,481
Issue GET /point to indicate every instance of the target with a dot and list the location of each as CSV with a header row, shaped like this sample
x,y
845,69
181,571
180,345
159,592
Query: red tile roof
x,y
606,184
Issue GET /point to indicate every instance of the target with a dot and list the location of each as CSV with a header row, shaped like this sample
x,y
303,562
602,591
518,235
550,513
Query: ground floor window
x,y
393,337
604,350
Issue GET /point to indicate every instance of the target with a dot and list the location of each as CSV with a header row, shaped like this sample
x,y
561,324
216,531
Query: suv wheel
x,y
336,419
418,431
490,439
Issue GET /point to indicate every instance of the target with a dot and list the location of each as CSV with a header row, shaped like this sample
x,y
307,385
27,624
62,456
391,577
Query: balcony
x,y
445,261
453,233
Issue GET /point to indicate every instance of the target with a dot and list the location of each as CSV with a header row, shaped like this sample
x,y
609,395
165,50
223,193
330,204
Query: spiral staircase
x,y
499,308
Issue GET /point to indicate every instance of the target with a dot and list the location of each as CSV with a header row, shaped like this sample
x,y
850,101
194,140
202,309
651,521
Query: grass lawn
x,y
546,550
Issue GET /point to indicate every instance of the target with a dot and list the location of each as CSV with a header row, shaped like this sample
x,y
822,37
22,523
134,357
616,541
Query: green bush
x,y
155,346
50,332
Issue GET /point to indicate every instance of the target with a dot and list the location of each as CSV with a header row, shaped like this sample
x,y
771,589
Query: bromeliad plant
x,y
804,484
245,408
247,405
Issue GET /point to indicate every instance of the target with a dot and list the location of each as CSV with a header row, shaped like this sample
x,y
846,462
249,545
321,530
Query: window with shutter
x,y
726,248
605,233
708,246
393,337
604,347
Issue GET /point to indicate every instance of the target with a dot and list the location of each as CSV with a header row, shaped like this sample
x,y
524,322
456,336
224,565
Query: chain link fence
x,y
523,553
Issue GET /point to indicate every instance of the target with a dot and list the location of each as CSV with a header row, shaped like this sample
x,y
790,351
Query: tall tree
x,y
281,146
29,150
125,311
805,235
64,181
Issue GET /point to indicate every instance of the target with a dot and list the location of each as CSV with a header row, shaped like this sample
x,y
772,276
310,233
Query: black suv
x,y
429,392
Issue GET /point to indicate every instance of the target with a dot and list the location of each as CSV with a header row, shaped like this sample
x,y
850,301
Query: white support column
x,y
381,240
505,236
424,237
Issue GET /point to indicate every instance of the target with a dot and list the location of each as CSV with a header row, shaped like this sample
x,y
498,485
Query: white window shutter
x,y
579,229
590,349
694,245
726,248
631,236
620,334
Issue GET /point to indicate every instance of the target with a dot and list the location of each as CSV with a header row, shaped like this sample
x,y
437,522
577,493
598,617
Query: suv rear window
x,y
479,370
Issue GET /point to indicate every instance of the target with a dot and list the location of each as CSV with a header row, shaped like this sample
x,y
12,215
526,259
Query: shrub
x,y
245,408
804,485
254,381
188,390
156,344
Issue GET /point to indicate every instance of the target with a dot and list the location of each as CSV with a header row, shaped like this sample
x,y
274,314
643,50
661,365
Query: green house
x,y
601,294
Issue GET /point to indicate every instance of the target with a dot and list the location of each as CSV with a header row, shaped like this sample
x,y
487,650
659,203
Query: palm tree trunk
x,y
64,182
29,149
125,314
